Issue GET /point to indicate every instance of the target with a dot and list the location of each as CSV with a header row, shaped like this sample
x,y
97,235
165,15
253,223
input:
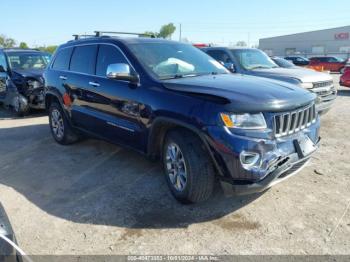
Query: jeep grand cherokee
x,y
171,101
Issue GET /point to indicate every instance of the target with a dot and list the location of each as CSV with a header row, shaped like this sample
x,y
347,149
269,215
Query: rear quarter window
x,y
62,59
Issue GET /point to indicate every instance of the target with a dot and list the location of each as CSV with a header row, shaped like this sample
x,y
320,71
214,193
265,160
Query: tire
x,y
20,106
61,129
192,180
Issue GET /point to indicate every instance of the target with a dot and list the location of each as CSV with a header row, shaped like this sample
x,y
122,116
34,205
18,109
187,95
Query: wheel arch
x,y
162,125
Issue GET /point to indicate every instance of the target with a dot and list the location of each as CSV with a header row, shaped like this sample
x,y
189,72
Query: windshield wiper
x,y
177,76
260,67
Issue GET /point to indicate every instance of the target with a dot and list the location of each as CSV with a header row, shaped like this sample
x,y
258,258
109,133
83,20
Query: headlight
x,y
34,84
307,85
244,121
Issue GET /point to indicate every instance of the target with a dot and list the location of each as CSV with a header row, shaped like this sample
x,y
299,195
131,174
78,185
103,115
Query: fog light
x,y
249,159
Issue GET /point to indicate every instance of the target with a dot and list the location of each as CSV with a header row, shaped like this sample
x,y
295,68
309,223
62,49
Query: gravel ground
x,y
96,198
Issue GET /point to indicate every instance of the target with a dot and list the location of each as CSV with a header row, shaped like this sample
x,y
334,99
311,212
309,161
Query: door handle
x,y
94,84
63,78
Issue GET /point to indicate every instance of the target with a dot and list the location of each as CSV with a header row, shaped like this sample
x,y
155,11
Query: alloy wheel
x,y
57,123
176,167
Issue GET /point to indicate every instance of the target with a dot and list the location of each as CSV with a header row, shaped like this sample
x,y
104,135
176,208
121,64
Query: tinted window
x,y
3,61
219,55
83,59
62,59
108,55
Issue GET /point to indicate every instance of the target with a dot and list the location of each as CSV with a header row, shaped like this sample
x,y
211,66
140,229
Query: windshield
x,y
175,60
338,59
283,62
25,61
251,59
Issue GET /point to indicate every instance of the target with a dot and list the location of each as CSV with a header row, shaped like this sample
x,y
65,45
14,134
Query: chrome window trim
x,y
92,75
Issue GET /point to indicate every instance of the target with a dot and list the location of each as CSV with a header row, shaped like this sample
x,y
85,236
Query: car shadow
x,y
98,183
344,92
6,113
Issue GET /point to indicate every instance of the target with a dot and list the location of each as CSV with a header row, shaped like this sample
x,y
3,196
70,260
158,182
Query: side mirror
x,y
231,67
121,72
2,69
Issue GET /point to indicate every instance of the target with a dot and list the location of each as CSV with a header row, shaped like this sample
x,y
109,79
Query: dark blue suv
x,y
171,101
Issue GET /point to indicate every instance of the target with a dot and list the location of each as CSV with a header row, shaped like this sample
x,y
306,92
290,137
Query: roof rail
x,y
100,33
77,37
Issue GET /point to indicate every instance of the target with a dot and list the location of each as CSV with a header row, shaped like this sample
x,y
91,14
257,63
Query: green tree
x,y
23,45
50,49
166,31
7,42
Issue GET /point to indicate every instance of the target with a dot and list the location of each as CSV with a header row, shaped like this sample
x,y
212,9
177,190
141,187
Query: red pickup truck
x,y
329,63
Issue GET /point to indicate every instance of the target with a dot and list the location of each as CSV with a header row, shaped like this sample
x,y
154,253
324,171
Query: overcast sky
x,y
40,22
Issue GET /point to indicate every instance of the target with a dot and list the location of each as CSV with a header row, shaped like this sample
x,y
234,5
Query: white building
x,y
334,41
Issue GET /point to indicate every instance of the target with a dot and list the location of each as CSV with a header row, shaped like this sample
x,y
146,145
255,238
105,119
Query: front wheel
x,y
188,168
61,129
20,106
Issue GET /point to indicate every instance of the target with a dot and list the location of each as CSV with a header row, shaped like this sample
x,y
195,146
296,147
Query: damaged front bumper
x,y
278,158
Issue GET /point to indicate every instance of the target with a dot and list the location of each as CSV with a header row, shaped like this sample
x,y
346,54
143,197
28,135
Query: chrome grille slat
x,y
294,121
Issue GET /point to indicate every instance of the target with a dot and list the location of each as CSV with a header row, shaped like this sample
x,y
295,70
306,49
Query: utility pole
x,y
180,36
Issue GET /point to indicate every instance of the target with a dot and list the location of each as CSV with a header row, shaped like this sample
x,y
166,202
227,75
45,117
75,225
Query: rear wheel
x,y
61,130
188,168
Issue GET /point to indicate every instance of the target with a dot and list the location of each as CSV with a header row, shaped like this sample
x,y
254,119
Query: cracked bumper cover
x,y
280,159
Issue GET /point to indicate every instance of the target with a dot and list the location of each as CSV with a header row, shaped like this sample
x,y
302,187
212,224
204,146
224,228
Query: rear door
x,y
78,81
3,75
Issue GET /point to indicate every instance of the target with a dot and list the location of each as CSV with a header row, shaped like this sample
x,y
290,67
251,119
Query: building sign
x,y
341,36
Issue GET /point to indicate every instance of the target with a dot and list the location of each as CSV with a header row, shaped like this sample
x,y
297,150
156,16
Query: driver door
x,y
3,75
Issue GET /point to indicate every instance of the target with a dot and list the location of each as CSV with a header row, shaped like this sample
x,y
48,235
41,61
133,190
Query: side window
x,y
220,55
108,55
332,60
3,61
83,59
62,59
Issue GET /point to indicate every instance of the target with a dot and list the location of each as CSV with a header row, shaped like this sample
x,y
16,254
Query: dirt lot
x,y
96,198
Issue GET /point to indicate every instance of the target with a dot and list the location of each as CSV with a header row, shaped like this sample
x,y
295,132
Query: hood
x,y
35,73
302,74
245,93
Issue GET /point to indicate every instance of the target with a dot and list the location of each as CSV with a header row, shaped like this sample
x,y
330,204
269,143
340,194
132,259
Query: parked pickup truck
x,y
250,61
170,101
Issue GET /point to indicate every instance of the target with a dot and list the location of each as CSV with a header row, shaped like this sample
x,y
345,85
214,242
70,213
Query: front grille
x,y
322,84
292,122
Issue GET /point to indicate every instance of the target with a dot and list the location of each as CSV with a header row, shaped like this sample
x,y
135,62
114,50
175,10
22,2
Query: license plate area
x,y
304,146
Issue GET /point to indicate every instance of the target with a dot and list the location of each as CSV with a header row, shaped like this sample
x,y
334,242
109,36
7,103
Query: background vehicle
x,y
171,101
250,61
345,79
21,81
9,251
330,63
281,62
298,60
